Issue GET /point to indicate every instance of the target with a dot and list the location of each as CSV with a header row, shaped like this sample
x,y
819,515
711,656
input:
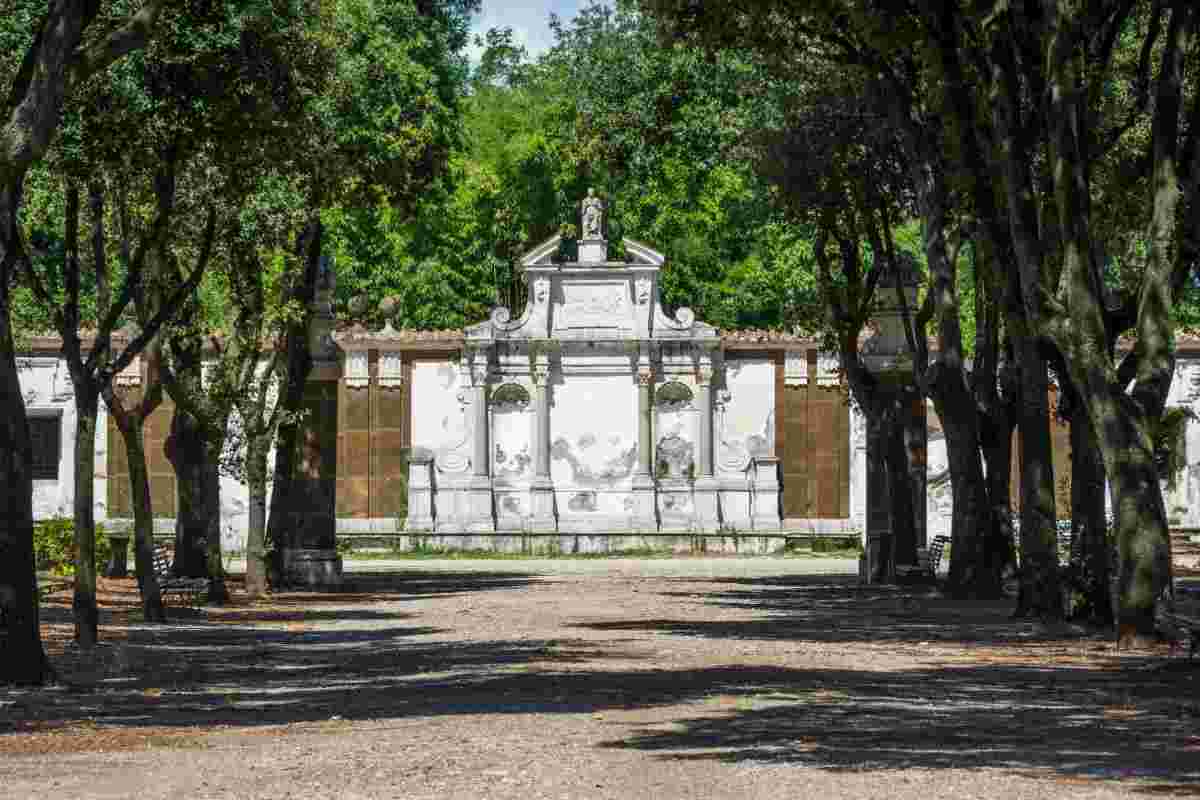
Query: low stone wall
x,y
570,544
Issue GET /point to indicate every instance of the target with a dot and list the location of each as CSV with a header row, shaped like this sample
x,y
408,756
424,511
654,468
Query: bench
x,y
1180,624
191,588
1180,627
930,558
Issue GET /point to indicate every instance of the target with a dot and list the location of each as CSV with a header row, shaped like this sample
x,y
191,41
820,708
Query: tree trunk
x,y
1041,592
902,444
218,593
186,450
1140,517
256,543
87,615
143,523
1093,578
997,456
974,569
299,363
22,657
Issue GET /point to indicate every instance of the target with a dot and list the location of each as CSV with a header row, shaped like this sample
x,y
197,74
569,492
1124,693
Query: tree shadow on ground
x,y
1069,722
1116,718
832,609
359,586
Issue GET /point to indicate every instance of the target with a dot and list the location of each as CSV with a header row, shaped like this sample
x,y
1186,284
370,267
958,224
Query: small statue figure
x,y
593,216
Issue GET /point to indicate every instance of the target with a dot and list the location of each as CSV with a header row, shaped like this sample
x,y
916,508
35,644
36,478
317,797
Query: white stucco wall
x,y
744,419
48,393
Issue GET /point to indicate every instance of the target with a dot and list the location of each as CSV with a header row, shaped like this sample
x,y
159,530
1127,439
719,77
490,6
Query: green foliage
x,y
658,131
54,545
836,544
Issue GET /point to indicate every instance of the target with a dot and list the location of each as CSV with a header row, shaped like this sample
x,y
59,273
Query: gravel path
x,y
680,678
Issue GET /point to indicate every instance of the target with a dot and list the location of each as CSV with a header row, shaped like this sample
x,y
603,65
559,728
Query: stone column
x,y
481,518
707,518
645,424
542,489
645,516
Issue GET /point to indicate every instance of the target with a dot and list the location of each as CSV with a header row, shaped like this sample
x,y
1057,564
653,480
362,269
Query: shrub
x,y
832,544
54,545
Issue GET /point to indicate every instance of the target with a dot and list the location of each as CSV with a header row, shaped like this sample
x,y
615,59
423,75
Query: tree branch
x,y
167,310
133,35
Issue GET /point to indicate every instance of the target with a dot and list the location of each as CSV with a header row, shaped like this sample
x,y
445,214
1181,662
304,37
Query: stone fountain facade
x,y
588,423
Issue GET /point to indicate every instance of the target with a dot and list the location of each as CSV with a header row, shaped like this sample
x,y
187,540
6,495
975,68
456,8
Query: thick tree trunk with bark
x,y
996,435
1140,517
906,469
22,658
1041,592
187,452
256,525
975,570
87,615
143,522
218,594
1094,571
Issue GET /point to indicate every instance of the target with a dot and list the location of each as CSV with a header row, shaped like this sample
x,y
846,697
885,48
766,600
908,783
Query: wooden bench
x,y
191,588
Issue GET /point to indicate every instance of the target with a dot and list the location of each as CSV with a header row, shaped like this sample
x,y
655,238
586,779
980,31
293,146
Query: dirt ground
x,y
684,678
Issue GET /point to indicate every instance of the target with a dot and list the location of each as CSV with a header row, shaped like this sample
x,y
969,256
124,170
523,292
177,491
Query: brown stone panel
x,y
353,497
813,446
118,472
795,450
353,432
389,488
389,410
162,495
355,408
354,459
828,437
390,432
389,496
162,474
119,501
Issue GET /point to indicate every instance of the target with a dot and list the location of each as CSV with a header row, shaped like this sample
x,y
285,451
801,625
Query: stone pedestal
x,y
313,569
541,496
117,567
593,251
765,504
735,504
481,517
644,516
705,498
420,493
676,507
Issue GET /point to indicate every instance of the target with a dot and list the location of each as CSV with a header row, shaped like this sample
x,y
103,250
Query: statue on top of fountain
x,y
592,246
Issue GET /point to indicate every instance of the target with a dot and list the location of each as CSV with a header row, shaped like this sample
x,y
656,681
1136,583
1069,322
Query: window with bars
x,y
44,433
